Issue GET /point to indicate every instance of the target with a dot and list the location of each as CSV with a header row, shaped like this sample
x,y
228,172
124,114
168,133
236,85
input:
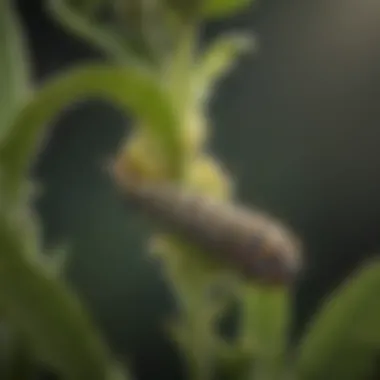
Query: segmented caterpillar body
x,y
257,245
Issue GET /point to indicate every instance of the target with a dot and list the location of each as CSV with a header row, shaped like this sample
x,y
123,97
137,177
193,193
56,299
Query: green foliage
x,y
208,9
265,323
217,60
37,306
44,309
14,75
166,97
223,8
78,20
337,345
129,87
17,359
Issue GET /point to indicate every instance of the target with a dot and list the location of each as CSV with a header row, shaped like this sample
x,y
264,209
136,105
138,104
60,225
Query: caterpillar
x,y
258,246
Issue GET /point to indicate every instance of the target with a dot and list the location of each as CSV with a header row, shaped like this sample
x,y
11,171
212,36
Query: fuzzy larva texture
x,y
257,245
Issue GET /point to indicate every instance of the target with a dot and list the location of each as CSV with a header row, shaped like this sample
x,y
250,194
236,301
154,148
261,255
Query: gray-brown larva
x,y
258,246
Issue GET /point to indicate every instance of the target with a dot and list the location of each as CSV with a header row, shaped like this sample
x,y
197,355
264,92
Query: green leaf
x,y
223,8
18,361
14,74
56,260
132,89
218,59
336,344
48,313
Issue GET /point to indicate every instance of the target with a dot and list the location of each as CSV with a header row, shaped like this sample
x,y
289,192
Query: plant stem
x,y
200,345
195,329
265,322
111,44
180,75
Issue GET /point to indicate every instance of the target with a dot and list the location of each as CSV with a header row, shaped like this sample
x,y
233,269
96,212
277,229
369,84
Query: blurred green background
x,y
298,126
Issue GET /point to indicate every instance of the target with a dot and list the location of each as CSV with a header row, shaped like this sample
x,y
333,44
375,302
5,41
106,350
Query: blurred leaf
x,y
218,59
14,74
335,346
235,360
185,9
90,7
19,362
47,312
114,27
132,89
56,260
223,8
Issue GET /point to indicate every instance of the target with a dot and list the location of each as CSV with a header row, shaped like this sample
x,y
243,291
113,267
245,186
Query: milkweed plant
x,y
157,73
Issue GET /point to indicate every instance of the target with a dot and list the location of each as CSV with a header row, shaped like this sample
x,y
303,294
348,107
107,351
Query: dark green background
x,y
298,125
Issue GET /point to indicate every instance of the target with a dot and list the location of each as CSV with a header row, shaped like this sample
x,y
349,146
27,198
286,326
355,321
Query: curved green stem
x,y
133,89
